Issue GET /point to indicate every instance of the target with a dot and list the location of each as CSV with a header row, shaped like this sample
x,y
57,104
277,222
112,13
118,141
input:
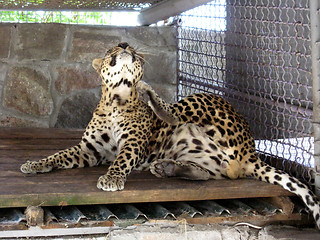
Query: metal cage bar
x,y
315,53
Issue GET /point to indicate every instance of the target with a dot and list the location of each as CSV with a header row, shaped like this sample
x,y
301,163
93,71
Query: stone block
x,y
3,71
27,90
161,67
235,233
5,33
40,41
76,111
150,37
165,91
288,233
88,45
162,232
68,52
76,78
6,120
169,34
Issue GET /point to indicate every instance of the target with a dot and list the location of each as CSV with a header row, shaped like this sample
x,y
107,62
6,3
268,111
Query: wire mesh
x,y
257,55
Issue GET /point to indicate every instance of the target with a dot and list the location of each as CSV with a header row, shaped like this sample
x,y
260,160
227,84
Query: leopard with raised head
x,y
200,137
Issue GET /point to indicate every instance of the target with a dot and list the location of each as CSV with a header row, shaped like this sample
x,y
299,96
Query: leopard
x,y
200,137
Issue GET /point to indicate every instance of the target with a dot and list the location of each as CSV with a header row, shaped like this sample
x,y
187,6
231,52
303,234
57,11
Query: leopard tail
x,y
264,172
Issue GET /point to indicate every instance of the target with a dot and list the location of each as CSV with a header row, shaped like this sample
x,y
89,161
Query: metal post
x,y
315,56
165,9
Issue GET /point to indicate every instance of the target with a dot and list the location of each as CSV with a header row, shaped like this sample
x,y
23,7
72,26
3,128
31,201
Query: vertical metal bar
x,y
315,56
176,28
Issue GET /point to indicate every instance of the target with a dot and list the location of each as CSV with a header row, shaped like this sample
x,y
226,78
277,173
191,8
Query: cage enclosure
x,y
261,56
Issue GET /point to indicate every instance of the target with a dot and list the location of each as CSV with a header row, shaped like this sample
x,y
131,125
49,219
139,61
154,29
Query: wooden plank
x,y
38,147
67,188
42,141
256,220
40,133
78,186
19,153
33,144
157,191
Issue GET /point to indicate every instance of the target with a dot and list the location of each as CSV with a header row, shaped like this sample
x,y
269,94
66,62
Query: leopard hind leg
x,y
162,109
190,154
171,168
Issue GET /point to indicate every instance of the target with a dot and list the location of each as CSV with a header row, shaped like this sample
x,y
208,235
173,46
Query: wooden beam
x,y
166,9
66,187
34,216
78,186
31,133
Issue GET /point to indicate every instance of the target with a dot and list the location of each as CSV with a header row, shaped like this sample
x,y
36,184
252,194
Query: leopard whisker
x,y
144,51
148,53
143,59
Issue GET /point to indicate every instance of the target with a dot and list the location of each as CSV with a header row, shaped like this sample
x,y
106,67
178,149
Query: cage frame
x,y
159,6
315,58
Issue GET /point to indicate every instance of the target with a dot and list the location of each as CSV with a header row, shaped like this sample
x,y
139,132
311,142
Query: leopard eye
x,y
109,52
113,61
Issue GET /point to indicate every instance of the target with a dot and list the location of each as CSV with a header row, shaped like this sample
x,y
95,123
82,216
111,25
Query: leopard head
x,y
121,65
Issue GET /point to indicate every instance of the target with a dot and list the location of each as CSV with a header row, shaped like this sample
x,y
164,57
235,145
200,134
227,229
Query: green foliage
x,y
103,18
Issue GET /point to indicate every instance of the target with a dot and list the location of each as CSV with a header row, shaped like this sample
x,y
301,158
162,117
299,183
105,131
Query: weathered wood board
x,y
78,186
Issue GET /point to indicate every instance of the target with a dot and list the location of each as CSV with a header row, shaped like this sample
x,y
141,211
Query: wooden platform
x,y
78,186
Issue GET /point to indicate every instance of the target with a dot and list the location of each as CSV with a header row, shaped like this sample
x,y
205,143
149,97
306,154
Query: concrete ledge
x,y
170,230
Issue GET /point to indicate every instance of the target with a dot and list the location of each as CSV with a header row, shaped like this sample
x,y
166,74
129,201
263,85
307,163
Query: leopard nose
x,y
123,45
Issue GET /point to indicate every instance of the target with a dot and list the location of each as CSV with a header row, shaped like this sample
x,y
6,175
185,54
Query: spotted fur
x,y
200,137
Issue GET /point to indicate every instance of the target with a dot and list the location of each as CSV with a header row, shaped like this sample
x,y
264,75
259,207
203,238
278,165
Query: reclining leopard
x,y
200,137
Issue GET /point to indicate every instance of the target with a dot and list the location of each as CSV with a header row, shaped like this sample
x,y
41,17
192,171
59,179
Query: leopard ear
x,y
96,64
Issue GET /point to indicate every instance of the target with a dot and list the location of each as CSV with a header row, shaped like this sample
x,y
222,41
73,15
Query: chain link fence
x,y
257,55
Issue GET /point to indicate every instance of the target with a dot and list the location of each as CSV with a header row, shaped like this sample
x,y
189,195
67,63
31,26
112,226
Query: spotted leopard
x,y
200,137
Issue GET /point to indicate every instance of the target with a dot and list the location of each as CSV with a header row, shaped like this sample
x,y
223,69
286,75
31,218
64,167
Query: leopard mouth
x,y
123,54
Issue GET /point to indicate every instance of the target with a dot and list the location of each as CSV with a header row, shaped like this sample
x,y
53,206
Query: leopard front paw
x,y
111,183
35,167
143,91
28,168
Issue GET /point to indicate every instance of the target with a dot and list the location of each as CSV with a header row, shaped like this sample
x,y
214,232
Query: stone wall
x,y
46,78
